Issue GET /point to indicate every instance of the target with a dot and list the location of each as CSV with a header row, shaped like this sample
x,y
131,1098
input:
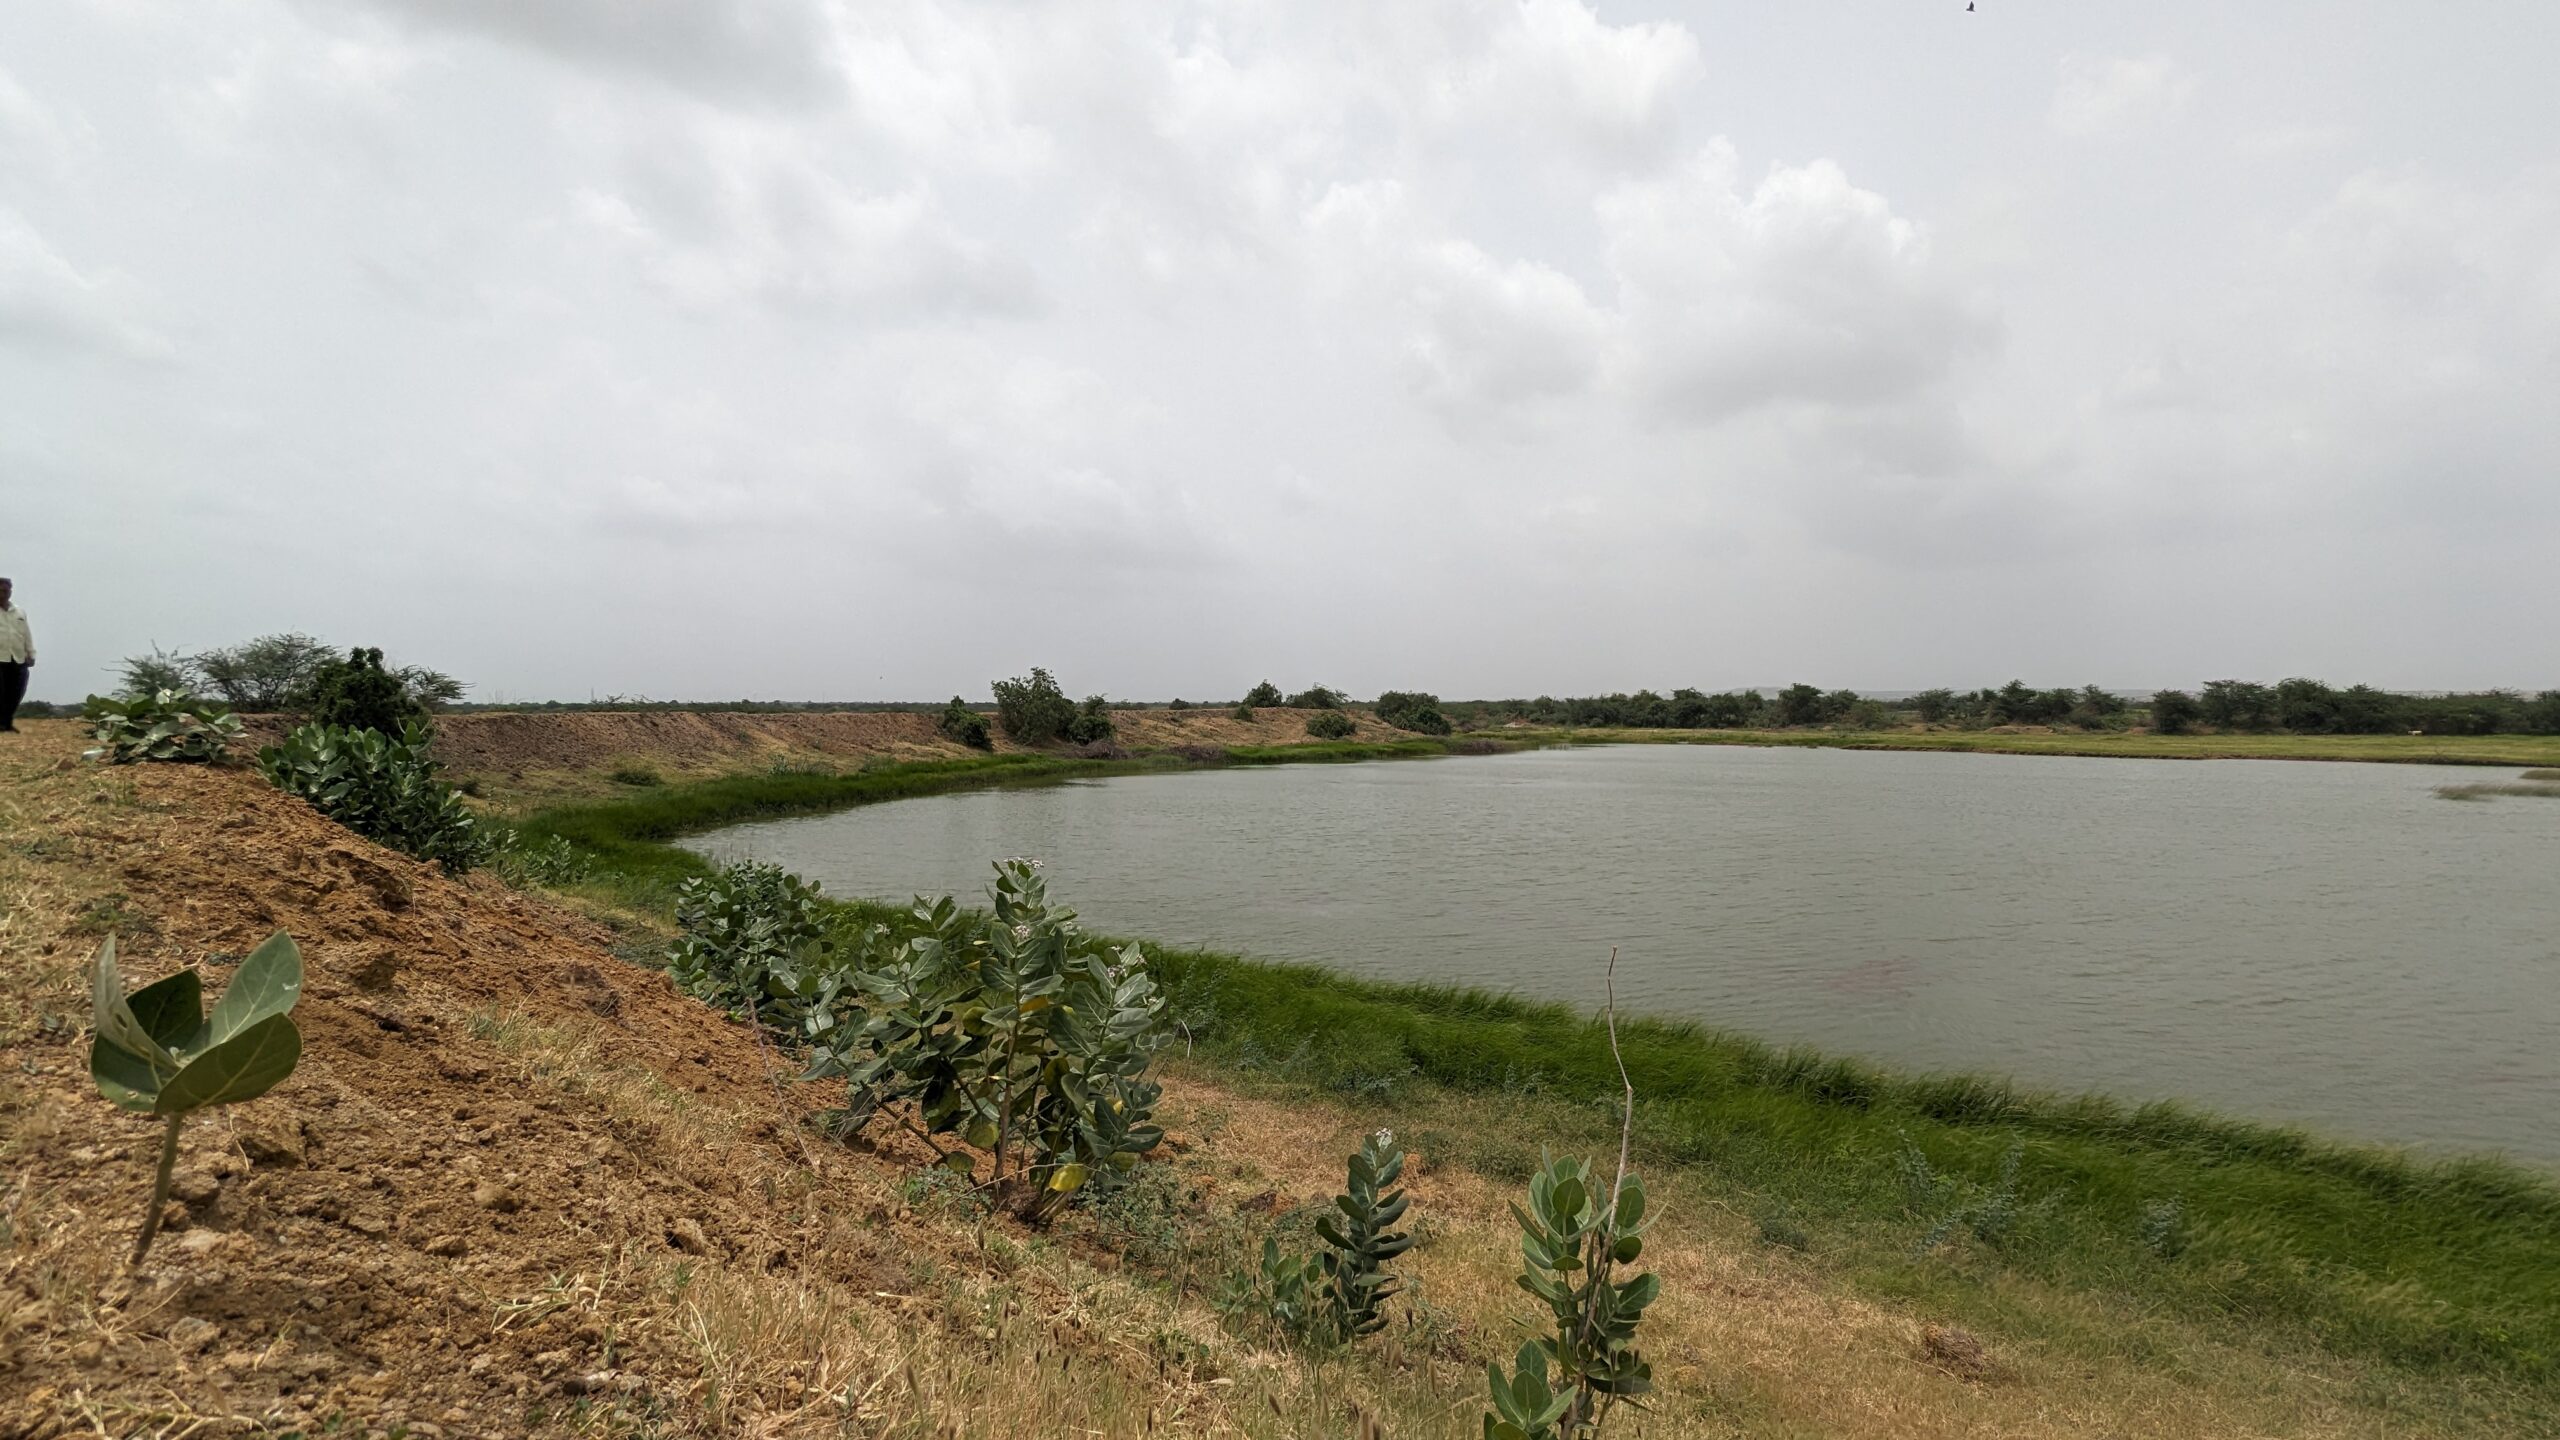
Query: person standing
x,y
17,657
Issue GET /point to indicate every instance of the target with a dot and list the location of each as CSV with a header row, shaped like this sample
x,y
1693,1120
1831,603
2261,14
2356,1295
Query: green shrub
x,y
359,693
550,862
157,1051
2174,712
1361,1240
965,725
1339,1296
1281,1297
144,676
380,786
166,725
1262,696
2166,1232
1179,704
1994,1214
1412,710
753,941
1330,725
638,777
1014,1031
1032,709
1563,1384
1092,722
1241,712
1316,697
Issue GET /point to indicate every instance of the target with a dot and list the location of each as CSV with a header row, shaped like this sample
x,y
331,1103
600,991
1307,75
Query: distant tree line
x,y
2297,706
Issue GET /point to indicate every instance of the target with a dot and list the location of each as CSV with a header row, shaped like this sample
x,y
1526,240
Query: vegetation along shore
x,y
533,1067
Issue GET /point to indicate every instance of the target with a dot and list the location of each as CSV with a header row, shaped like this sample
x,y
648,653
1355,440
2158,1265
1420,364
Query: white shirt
x,y
17,643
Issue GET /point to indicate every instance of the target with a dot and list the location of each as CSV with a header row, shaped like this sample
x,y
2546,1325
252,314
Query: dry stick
x,y
1627,1126
1603,1242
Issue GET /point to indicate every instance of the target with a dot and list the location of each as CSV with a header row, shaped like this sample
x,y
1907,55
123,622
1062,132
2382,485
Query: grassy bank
x,y
2138,1227
2498,750
628,834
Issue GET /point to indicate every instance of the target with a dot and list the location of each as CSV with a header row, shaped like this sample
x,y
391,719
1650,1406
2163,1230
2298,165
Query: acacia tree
x,y
265,675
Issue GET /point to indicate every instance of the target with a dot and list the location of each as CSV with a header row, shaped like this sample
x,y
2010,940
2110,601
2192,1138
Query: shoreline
x,y
2431,1263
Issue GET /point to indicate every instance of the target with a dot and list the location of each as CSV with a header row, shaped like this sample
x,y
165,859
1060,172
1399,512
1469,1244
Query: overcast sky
x,y
791,349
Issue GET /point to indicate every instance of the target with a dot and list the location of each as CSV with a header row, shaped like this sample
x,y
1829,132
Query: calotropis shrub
x,y
1572,1239
158,1051
1339,1295
1360,1238
1014,1031
164,725
753,941
380,786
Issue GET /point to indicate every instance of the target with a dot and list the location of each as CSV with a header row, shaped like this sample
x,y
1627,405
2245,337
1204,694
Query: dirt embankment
x,y
386,1238
517,1185
542,756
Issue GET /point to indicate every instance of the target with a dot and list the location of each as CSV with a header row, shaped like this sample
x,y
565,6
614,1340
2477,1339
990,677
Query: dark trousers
x,y
13,688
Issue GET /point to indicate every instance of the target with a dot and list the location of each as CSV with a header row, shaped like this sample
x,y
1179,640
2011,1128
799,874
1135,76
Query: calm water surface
x,y
2322,943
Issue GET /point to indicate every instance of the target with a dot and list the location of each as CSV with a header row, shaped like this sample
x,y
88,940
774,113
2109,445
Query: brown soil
x,y
386,1237
551,756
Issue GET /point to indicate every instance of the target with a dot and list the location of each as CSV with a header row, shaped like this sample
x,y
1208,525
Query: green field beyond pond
x,y
2059,1212
2499,750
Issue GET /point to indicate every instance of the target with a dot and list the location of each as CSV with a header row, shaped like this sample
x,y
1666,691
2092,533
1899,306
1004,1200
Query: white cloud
x,y
1474,337
1803,287
1556,70
2100,97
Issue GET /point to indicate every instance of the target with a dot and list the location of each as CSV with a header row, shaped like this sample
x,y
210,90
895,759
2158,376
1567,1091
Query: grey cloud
x,y
1284,332
47,301
749,52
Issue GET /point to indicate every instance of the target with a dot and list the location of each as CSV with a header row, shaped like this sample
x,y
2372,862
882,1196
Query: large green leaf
x,y
243,1067
171,1011
115,1019
270,980
122,1076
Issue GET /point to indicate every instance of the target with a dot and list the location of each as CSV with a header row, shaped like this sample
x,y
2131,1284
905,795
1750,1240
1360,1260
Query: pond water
x,y
2327,944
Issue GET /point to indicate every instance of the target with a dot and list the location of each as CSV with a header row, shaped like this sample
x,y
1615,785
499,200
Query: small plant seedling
x,y
157,1052
1362,1239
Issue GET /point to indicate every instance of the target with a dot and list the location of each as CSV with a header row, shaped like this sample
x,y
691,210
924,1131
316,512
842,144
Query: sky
x,y
701,349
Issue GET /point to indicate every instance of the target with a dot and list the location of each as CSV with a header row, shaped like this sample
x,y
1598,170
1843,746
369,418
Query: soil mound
x,y
420,1225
